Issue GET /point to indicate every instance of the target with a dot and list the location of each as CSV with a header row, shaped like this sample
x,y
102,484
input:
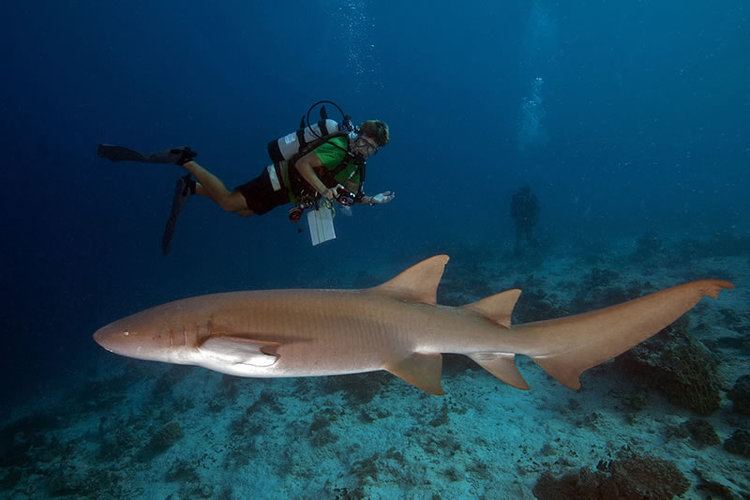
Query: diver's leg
x,y
211,186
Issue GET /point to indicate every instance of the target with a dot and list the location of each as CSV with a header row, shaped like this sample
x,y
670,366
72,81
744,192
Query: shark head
x,y
147,335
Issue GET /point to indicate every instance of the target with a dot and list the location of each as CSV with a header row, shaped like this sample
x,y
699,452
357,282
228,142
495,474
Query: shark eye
x,y
126,333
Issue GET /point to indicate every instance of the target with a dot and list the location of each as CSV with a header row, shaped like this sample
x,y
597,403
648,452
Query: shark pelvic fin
x,y
421,370
498,307
418,283
240,351
502,365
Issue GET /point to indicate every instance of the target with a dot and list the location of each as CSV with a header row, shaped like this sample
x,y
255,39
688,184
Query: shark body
x,y
396,326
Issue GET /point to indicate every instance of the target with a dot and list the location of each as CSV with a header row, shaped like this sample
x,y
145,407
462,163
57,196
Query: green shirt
x,y
331,153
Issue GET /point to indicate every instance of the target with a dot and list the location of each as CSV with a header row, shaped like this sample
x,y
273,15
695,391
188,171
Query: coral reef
x,y
536,304
320,432
357,389
739,443
702,432
713,488
164,438
740,395
677,365
20,437
630,476
599,289
182,471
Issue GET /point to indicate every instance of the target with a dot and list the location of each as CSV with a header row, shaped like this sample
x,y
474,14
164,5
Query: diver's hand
x,y
382,198
331,193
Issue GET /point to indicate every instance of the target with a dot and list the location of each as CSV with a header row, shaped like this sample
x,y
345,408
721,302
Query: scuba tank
x,y
286,147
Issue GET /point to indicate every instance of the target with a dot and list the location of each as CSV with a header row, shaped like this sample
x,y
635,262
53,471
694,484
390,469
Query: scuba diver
x,y
317,165
524,209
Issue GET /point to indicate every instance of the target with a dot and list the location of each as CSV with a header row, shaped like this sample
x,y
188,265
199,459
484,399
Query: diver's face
x,y
364,146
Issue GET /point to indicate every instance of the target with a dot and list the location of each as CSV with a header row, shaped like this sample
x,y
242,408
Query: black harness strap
x,y
298,184
323,127
301,138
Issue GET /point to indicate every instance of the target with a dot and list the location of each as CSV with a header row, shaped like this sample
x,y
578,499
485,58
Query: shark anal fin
x,y
501,365
564,368
498,307
421,370
240,350
418,283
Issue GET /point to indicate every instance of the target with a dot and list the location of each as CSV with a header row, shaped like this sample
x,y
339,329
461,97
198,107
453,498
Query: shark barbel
x,y
396,326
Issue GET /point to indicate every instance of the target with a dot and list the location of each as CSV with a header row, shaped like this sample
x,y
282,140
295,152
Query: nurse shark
x,y
396,326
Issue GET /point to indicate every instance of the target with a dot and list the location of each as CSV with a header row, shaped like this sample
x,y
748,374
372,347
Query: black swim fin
x,y
118,153
175,156
183,189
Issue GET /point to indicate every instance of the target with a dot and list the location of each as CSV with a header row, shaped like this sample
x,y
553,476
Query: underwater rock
x,y
182,471
740,395
602,288
739,443
702,432
20,438
712,487
679,366
537,304
630,476
358,389
163,439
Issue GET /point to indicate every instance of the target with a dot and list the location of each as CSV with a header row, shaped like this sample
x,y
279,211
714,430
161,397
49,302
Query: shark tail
x,y
568,346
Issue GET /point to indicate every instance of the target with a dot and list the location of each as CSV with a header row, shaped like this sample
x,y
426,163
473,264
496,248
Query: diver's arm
x,y
306,167
378,199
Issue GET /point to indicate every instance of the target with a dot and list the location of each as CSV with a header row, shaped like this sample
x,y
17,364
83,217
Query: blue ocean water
x,y
627,119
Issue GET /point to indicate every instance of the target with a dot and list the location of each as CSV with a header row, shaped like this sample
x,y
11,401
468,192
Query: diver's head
x,y
376,130
373,134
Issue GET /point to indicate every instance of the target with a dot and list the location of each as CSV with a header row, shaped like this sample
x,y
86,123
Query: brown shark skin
x,y
295,333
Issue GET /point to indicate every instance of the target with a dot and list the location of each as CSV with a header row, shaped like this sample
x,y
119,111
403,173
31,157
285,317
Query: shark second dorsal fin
x,y
418,283
498,307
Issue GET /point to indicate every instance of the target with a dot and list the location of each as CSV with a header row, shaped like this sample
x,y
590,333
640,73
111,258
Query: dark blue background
x,y
646,108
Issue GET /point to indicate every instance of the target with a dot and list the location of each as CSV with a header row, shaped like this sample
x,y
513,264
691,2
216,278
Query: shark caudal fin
x,y
566,347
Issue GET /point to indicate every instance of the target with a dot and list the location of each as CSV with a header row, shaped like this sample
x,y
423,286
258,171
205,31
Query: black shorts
x,y
260,196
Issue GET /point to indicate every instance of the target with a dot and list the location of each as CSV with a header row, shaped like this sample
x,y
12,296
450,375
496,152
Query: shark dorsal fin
x,y
418,283
498,307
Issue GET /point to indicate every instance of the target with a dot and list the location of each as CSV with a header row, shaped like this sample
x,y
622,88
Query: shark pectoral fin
x,y
502,365
421,370
498,307
239,350
418,283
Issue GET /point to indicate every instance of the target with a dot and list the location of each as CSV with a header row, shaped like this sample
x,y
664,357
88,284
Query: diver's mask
x,y
364,147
